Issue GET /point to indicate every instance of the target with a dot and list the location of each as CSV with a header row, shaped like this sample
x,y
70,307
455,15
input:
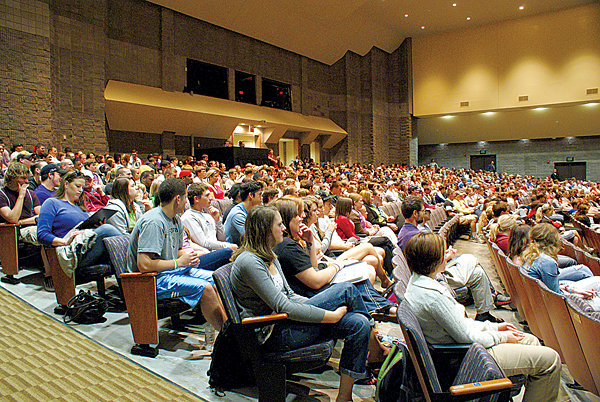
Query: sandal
x,y
385,293
383,314
370,380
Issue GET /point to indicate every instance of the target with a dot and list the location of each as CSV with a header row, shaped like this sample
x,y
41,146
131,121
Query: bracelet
x,y
568,289
176,263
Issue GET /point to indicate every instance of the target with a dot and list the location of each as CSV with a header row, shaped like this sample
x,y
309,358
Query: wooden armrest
x,y
484,386
264,318
8,225
133,275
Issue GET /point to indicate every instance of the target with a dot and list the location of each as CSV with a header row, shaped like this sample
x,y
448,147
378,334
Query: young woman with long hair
x,y
260,287
540,261
300,257
60,214
124,193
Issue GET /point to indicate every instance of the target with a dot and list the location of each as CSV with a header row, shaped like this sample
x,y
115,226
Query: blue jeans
x,y
98,254
565,261
574,273
354,328
371,297
215,259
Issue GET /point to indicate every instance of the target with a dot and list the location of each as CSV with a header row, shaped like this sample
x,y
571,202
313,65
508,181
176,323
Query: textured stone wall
x,y
25,90
57,55
528,157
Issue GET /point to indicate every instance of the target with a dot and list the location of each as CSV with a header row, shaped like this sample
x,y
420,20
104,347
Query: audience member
x,y
443,320
261,288
156,246
250,195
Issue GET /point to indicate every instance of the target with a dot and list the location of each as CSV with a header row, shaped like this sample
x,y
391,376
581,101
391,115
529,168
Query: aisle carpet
x,y
41,360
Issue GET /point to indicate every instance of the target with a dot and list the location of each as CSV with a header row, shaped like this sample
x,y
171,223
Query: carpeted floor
x,y
41,360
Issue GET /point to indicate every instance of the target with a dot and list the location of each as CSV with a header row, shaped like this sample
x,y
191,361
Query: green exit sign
x,y
570,158
482,151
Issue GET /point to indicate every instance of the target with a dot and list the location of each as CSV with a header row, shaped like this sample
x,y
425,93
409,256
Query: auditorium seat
x,y
64,285
567,337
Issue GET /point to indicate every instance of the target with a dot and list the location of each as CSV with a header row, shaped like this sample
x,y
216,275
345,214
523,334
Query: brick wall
x,y
520,157
25,90
57,55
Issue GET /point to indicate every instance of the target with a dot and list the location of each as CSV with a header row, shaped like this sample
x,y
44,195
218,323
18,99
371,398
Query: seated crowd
x,y
291,230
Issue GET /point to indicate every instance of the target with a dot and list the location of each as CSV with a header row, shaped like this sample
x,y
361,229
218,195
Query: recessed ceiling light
x,y
448,116
422,26
540,108
405,15
521,7
488,113
468,18
453,4
591,104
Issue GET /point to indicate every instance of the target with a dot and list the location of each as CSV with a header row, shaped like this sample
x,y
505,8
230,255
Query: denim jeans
x,y
371,297
574,273
215,259
98,254
354,328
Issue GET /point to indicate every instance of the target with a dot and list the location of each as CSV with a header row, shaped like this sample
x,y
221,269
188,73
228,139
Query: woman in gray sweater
x,y
339,313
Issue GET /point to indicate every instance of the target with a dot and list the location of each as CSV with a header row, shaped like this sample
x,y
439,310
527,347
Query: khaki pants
x,y
539,364
465,270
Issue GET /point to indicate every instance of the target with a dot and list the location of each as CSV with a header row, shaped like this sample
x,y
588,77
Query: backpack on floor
x,y
228,368
397,379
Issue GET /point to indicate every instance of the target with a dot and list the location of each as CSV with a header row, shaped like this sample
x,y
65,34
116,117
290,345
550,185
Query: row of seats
x,y
564,323
590,237
582,256
394,209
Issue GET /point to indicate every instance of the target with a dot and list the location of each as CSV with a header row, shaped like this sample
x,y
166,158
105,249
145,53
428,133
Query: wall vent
x,y
464,104
591,91
523,98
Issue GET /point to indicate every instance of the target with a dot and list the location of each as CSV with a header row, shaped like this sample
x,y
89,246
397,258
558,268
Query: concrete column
x,y
231,83
167,143
258,90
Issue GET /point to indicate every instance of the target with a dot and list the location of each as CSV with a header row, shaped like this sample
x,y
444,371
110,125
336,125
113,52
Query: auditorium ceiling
x,y
325,30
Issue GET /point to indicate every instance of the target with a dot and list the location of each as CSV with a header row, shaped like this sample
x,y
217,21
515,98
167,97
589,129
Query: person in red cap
x,y
186,175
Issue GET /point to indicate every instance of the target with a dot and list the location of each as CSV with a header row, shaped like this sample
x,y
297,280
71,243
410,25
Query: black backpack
x,y
228,368
397,379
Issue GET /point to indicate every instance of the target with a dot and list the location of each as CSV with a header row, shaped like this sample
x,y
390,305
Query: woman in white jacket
x,y
124,192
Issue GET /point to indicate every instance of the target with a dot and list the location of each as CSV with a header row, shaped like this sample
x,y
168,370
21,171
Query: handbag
x,y
85,308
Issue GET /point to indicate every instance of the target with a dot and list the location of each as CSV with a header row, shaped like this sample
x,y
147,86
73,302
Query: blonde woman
x,y
540,261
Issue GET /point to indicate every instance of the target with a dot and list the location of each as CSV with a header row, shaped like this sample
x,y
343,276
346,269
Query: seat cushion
x,y
92,271
320,352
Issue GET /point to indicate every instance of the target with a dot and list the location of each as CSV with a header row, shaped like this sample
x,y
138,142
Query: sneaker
x,y
48,284
488,317
501,300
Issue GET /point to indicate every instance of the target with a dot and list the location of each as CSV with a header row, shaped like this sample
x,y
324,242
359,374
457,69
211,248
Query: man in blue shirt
x,y
251,196
50,175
